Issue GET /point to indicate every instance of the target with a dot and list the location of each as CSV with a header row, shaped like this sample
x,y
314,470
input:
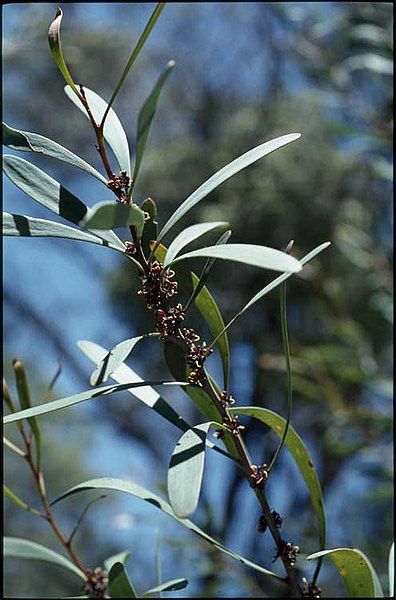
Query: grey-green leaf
x,y
189,235
225,173
51,194
110,483
113,130
248,254
168,586
33,142
109,215
358,573
23,226
43,409
21,548
114,359
121,557
391,571
145,119
120,586
299,453
54,40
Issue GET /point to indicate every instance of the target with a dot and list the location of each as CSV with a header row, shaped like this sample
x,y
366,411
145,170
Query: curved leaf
x,y
109,214
43,409
21,548
120,585
300,454
147,395
145,119
114,359
358,573
14,498
190,234
113,131
110,483
168,586
121,557
33,142
225,173
54,41
248,254
51,194
23,226
25,402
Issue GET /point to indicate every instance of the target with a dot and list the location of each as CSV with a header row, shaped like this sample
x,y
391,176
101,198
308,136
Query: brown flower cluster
x,y
288,551
96,585
119,185
311,590
233,425
168,322
158,285
259,475
262,524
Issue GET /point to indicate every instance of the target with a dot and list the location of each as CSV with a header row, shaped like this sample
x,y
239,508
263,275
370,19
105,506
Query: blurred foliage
x,y
323,69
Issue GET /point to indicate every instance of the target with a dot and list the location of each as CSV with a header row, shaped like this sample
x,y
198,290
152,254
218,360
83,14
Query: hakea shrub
x,y
185,351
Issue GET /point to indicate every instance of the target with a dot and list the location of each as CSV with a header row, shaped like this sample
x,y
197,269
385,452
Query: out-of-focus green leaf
x,y
135,53
23,226
299,453
150,230
391,570
225,173
14,498
190,234
145,118
33,142
48,192
371,62
209,310
108,214
54,40
121,557
26,403
43,409
21,548
110,483
120,585
168,586
248,254
358,573
113,131
114,359
147,395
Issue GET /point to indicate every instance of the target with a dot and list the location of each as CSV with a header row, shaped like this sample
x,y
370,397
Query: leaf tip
x,y
170,64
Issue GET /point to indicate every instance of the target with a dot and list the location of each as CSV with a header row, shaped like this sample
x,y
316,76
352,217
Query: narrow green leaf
x,y
186,468
120,586
33,142
51,194
190,234
54,40
150,230
147,395
300,455
135,53
274,284
14,498
113,131
145,119
109,483
225,173
43,409
21,548
248,254
121,557
114,359
23,226
391,570
358,573
26,403
168,586
110,214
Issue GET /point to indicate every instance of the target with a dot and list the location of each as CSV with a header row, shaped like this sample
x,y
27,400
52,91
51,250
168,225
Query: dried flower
x,y
310,590
288,551
259,475
233,425
226,399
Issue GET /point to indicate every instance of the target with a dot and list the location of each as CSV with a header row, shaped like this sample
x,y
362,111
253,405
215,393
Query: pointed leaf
x,y
48,192
114,359
120,485
121,557
147,395
33,142
23,226
14,498
248,254
190,234
168,586
108,214
120,585
225,173
21,548
43,409
25,403
54,40
113,131
358,573
145,118
300,455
